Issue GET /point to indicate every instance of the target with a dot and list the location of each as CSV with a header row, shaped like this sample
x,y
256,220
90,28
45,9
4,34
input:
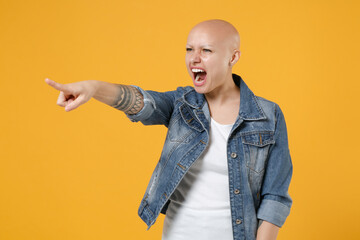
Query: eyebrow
x,y
202,46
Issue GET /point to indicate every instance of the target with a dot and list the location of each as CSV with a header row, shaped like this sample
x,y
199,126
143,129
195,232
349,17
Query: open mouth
x,y
199,75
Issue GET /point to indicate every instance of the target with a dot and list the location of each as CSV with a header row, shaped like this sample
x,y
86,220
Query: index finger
x,y
55,85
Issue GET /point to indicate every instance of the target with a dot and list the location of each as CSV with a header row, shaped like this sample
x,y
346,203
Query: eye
x,y
188,49
207,50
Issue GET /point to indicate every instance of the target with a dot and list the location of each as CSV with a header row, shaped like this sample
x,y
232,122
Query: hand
x,y
73,95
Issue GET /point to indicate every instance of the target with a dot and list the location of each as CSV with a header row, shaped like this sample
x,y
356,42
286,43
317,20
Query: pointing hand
x,y
73,95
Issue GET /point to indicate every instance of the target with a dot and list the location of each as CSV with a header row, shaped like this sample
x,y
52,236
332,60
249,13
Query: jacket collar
x,y
250,108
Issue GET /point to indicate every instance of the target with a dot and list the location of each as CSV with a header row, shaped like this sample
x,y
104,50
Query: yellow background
x,y
81,174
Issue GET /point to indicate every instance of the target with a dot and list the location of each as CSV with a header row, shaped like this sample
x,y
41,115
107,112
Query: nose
x,y
195,57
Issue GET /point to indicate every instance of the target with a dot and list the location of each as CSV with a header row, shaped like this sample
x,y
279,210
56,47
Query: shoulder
x,y
184,90
266,104
181,92
270,108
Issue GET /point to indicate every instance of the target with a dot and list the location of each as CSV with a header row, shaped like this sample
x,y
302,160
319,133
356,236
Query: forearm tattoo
x,y
129,100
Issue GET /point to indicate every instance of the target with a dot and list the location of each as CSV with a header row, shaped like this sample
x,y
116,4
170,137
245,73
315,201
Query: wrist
x,y
93,86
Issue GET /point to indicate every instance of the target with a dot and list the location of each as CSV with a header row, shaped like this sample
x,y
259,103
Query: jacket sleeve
x,y
275,202
157,109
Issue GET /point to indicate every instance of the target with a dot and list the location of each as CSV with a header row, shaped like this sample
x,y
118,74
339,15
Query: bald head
x,y
212,49
220,30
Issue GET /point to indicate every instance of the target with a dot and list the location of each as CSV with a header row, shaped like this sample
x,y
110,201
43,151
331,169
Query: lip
x,y
197,68
199,84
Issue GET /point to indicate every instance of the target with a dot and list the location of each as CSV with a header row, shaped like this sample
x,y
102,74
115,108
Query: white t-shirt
x,y
200,205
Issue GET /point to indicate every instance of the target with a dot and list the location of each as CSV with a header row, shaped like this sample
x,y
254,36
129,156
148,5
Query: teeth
x,y
197,78
197,70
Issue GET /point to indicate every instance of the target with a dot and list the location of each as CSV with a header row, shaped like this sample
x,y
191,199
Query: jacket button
x,y
237,191
233,155
238,221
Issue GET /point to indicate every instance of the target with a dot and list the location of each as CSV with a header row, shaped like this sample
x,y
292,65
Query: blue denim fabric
x,y
259,162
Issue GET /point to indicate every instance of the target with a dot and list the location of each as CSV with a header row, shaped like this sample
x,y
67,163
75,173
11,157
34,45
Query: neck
x,y
224,102
228,92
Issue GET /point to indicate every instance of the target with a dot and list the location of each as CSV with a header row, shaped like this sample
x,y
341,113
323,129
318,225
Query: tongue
x,y
200,76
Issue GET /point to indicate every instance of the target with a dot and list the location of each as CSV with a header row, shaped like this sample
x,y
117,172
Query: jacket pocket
x,y
256,148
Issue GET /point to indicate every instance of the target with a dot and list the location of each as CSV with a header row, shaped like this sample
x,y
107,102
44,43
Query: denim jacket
x,y
259,162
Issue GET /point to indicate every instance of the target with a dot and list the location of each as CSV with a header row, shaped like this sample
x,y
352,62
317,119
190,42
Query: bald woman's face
x,y
211,51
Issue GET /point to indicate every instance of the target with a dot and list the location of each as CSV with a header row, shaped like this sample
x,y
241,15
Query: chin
x,y
200,90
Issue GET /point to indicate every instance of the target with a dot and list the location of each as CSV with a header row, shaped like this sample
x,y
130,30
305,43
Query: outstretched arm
x,y
123,97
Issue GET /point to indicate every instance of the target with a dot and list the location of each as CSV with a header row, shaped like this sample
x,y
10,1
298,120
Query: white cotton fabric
x,y
200,205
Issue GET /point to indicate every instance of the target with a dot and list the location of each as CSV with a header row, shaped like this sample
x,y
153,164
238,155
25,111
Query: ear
x,y
234,58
